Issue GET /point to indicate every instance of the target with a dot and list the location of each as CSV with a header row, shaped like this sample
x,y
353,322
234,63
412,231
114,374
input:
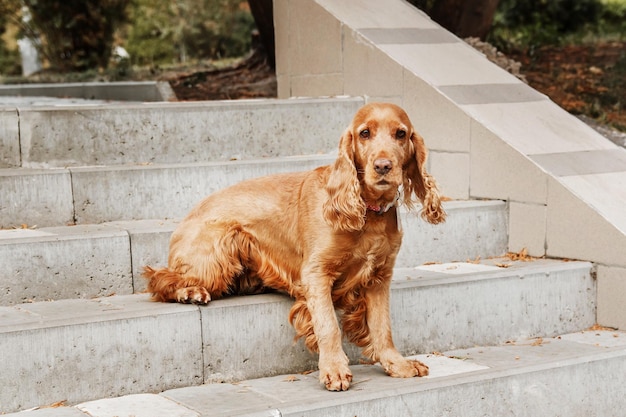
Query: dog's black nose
x,y
382,166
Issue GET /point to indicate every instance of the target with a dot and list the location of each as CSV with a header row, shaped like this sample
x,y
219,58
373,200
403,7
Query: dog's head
x,y
380,157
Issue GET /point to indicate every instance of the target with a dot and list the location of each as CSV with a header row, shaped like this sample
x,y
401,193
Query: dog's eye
x,y
400,134
365,134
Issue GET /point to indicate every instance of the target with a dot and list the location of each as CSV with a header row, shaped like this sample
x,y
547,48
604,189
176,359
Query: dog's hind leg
x,y
205,262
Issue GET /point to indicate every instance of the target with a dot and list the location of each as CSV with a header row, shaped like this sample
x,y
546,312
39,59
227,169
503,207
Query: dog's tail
x,y
171,286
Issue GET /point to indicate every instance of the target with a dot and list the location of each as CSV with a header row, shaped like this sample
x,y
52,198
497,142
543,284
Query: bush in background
x,y
75,35
528,24
166,32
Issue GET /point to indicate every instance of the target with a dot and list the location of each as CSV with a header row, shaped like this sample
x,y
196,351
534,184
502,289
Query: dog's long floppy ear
x,y
344,209
419,182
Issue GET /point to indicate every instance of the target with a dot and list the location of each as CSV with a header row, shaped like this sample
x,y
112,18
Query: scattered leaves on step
x,y
53,405
291,378
596,328
537,342
520,256
24,226
474,261
310,371
503,265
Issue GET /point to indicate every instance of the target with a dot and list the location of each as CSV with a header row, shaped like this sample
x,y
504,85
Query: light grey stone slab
x,y
78,350
166,191
50,412
552,378
262,345
514,92
473,229
383,36
121,91
371,14
523,300
447,64
35,197
63,262
182,132
9,138
86,349
137,405
582,162
149,245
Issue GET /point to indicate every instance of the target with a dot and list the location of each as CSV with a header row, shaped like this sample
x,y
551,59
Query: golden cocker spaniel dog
x,y
327,237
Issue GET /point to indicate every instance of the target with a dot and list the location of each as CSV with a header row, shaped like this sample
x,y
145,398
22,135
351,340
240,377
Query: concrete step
x,y
85,195
61,136
81,350
138,91
97,260
576,375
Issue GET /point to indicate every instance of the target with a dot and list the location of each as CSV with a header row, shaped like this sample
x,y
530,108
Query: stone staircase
x,y
90,194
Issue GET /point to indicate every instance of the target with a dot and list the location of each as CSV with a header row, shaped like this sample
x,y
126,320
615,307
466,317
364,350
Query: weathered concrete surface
x,y
118,91
96,260
182,132
63,262
149,245
85,349
9,138
35,197
563,376
75,349
166,191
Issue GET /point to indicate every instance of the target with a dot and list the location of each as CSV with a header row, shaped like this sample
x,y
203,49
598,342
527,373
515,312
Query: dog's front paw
x,y
336,378
194,295
405,368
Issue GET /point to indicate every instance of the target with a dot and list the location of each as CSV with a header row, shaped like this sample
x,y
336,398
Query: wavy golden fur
x,y
327,237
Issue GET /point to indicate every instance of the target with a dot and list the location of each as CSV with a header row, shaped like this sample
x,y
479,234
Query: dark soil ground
x,y
587,80
250,78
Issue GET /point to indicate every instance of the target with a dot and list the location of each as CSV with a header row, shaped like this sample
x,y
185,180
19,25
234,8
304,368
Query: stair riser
x,y
578,389
98,260
461,312
59,197
179,132
158,346
107,358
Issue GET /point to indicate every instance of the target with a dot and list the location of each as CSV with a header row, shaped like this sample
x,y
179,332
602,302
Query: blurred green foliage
x,y
79,35
527,24
165,31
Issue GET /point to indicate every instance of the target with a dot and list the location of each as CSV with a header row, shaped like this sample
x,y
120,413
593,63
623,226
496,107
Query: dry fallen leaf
x,y
520,256
291,378
596,327
474,261
538,342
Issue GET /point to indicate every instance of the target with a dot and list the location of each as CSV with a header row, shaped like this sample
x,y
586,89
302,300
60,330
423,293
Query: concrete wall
x,y
490,135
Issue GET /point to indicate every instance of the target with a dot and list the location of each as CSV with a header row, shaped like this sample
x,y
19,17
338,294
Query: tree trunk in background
x,y
465,18
263,13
